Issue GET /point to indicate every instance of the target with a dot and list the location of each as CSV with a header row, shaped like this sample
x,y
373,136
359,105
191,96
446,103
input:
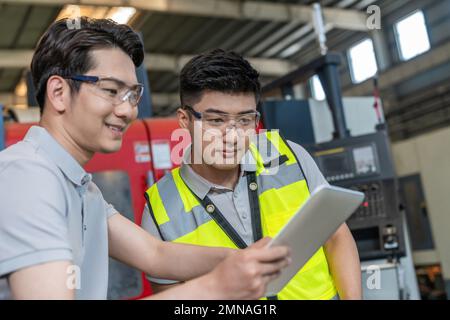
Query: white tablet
x,y
321,215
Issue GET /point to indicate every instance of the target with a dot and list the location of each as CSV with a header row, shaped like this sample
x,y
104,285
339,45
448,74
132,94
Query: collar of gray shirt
x,y
199,185
42,139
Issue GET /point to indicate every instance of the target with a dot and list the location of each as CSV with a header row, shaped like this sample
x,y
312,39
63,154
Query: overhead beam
x,y
15,58
266,67
345,19
252,10
155,62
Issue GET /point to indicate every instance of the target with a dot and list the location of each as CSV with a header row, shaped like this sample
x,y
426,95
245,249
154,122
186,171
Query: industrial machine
x,y
364,163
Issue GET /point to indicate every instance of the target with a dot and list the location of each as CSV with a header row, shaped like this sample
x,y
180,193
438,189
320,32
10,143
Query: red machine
x,y
143,159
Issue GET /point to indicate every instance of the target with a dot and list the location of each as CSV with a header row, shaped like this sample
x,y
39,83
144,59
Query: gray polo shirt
x,y
234,204
52,211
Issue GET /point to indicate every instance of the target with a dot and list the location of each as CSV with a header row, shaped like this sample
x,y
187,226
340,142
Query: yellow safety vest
x,y
281,189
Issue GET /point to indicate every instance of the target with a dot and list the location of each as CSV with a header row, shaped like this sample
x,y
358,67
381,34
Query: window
x,y
316,88
363,64
412,36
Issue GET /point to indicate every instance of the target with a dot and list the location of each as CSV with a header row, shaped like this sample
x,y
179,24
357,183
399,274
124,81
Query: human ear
x,y
58,93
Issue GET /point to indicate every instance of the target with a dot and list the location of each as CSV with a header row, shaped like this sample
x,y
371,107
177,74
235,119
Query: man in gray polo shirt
x,y
56,229
219,93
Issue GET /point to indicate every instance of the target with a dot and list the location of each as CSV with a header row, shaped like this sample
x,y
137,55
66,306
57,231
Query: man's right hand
x,y
246,273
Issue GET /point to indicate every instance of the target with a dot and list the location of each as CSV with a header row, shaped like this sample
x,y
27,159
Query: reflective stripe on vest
x,y
282,190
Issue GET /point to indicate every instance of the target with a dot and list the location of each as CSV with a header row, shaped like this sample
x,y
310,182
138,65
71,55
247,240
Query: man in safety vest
x,y
234,187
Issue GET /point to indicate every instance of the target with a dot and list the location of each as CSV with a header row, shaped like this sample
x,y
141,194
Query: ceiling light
x,y
121,14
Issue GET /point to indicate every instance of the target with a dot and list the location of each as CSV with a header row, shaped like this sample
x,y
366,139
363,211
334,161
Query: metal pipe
x,y
319,28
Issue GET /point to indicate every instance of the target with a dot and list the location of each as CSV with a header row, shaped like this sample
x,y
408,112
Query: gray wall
x,y
427,155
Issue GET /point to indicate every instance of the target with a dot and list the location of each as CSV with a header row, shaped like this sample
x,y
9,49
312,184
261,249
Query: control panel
x,y
364,164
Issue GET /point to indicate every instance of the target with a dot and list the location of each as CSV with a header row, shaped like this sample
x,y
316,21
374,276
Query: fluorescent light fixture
x,y
412,36
363,64
121,14
74,11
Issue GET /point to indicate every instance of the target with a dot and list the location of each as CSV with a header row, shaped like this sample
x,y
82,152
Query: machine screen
x,y
336,164
365,162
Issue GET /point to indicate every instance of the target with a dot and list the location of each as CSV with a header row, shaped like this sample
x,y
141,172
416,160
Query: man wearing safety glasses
x,y
235,187
56,229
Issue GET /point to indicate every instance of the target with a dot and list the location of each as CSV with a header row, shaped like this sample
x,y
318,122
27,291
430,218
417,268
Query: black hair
x,y
64,49
217,70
